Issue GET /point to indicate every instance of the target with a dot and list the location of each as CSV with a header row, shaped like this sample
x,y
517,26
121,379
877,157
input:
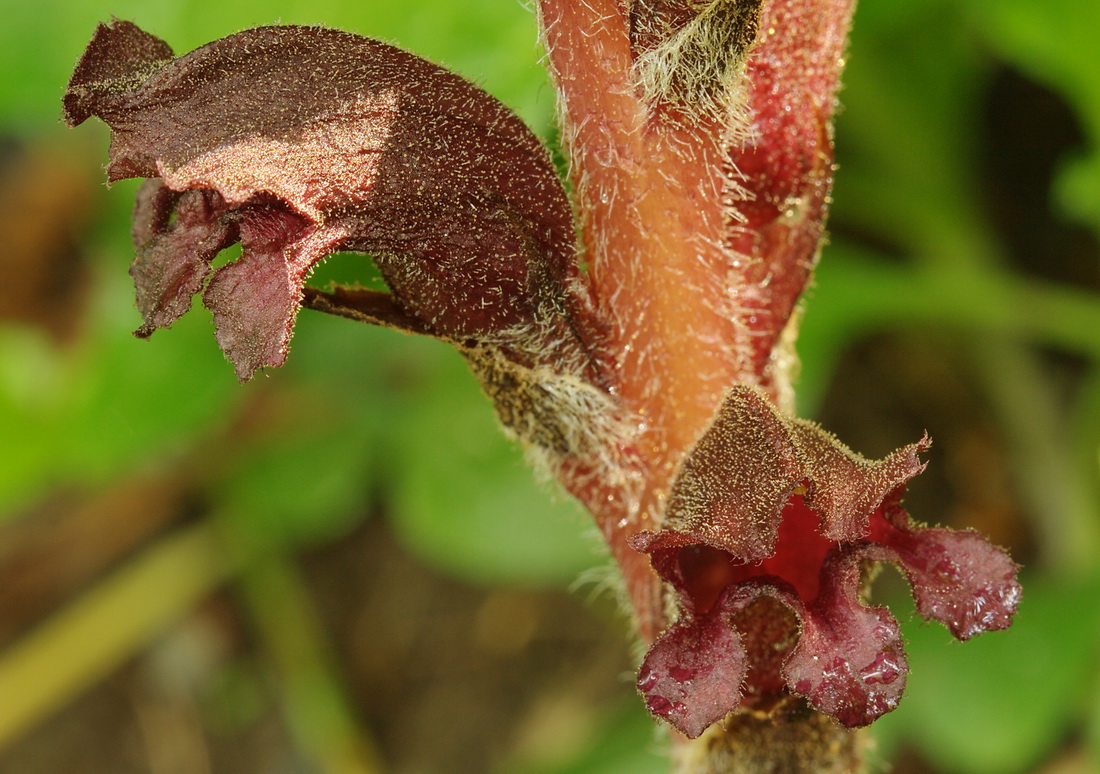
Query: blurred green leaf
x,y
906,134
307,485
85,414
1055,43
29,387
464,499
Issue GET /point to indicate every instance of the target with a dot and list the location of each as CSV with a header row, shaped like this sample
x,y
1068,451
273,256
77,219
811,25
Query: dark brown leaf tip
x,y
301,141
770,506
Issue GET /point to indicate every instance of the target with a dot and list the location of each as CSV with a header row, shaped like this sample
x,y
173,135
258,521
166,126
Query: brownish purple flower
x,y
301,141
766,506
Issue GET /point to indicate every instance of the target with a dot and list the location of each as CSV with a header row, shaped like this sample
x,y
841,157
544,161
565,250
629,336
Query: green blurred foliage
x,y
364,418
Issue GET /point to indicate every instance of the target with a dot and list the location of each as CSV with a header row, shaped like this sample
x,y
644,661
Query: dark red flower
x,y
766,506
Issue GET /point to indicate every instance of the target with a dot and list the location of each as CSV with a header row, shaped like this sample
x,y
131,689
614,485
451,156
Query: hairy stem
x,y
649,195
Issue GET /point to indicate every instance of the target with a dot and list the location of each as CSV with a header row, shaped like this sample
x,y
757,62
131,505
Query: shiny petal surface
x,y
958,578
849,662
692,675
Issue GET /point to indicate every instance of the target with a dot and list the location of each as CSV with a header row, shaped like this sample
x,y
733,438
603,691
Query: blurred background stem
x,y
93,635
306,677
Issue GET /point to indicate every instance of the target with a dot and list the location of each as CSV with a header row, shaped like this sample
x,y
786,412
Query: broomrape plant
x,y
637,337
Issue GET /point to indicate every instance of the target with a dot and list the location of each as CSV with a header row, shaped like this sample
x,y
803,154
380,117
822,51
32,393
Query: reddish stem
x,y
787,167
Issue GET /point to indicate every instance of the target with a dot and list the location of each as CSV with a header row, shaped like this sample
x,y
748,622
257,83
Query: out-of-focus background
x,y
342,567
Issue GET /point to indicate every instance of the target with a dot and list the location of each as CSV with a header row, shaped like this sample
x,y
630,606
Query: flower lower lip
x,y
842,511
